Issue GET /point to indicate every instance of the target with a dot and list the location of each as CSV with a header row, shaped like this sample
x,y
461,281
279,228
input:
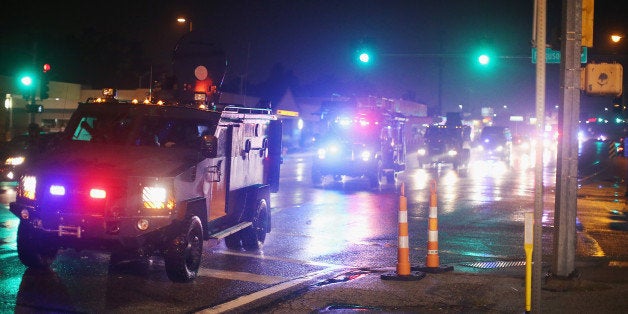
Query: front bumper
x,y
348,167
439,158
84,231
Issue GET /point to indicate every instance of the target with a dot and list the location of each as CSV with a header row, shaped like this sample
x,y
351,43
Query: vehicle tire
x,y
254,236
33,250
317,177
234,241
380,173
373,180
183,253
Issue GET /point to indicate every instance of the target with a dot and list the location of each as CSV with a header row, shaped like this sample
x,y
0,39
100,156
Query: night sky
x,y
420,45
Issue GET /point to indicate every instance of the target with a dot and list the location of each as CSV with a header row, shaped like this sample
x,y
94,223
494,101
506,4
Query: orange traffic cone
x,y
404,271
432,263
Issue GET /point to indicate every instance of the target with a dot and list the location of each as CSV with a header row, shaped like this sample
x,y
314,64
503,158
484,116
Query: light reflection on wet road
x,y
342,225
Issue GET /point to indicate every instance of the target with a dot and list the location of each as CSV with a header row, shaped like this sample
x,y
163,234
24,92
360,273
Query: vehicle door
x,y
216,177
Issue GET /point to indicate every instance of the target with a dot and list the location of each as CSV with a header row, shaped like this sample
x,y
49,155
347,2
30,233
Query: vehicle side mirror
x,y
209,145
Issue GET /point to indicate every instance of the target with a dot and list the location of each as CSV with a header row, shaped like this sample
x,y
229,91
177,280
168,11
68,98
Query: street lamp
x,y
616,38
184,20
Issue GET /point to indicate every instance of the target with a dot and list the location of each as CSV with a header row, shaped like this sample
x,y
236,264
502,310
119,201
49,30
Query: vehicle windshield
x,y
434,133
495,133
122,128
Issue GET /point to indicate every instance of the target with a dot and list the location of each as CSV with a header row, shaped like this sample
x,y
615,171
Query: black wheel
x,y
373,180
254,236
375,176
234,241
33,249
317,177
183,253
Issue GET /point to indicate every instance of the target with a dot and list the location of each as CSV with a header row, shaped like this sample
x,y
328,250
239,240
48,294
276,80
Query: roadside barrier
x,y
432,261
404,271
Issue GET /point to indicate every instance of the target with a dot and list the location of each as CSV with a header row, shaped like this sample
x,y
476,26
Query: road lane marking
x,y
246,299
241,276
283,259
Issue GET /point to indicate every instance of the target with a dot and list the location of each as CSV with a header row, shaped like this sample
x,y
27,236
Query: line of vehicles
x,y
142,179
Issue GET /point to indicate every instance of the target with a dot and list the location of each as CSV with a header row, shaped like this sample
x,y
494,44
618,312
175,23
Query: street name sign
x,y
553,56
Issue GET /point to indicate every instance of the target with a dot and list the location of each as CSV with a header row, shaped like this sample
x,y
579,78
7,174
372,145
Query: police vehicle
x,y
365,142
140,179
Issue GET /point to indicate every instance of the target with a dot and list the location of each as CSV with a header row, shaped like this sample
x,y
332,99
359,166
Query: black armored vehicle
x,y
445,144
137,179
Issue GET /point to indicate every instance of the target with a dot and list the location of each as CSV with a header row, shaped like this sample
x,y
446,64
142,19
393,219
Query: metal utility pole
x,y
34,86
540,21
567,162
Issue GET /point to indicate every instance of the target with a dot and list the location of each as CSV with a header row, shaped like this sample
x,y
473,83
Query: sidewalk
x,y
600,288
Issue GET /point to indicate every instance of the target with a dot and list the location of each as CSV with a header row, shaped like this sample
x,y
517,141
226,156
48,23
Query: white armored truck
x,y
137,179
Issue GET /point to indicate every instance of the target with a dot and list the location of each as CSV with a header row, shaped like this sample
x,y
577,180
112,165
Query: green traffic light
x,y
484,59
26,80
364,57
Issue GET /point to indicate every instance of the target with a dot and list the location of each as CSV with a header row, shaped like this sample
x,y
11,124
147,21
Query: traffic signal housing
x,y
602,79
26,85
44,89
34,108
365,53
587,22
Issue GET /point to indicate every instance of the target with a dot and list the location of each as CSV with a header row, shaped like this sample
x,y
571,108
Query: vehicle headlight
x,y
499,148
422,151
321,153
365,155
14,161
155,197
27,187
452,152
327,151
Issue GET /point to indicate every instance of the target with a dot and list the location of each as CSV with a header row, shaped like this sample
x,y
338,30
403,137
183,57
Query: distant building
x,y
301,115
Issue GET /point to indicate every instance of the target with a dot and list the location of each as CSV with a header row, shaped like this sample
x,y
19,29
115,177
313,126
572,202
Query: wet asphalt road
x,y
317,234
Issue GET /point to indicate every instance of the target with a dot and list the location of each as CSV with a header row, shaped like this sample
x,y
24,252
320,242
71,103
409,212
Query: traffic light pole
x,y
540,21
34,88
567,162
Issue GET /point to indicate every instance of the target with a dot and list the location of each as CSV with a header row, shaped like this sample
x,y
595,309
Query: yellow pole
x,y
528,245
